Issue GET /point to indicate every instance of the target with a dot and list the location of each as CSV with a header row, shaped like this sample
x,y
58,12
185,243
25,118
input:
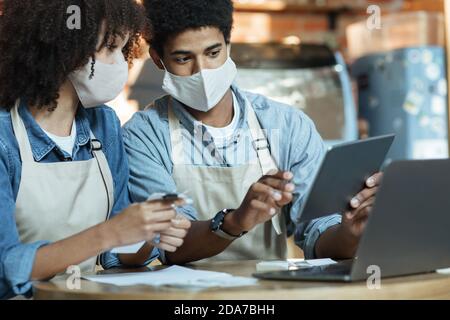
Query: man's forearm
x,y
200,243
336,244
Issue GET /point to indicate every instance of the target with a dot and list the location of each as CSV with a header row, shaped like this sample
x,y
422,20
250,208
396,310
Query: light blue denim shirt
x,y
299,149
16,258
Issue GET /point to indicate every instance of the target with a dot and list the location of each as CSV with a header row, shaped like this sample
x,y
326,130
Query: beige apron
x,y
58,200
217,188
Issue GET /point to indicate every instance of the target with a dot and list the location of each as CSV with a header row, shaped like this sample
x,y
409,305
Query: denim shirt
x,y
296,147
16,258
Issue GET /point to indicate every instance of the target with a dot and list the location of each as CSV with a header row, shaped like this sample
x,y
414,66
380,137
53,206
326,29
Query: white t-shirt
x,y
233,143
222,136
65,143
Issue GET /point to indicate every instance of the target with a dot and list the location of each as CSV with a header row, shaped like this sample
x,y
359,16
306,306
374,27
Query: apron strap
x,y
260,143
26,153
105,171
261,146
176,136
107,178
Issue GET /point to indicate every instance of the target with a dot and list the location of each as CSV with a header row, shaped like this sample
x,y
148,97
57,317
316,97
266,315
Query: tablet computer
x,y
343,174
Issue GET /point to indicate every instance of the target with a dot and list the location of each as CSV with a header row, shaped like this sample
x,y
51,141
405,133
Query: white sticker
x,y
438,105
433,72
442,87
413,103
430,149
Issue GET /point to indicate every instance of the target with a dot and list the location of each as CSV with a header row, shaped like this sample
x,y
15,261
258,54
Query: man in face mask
x,y
245,160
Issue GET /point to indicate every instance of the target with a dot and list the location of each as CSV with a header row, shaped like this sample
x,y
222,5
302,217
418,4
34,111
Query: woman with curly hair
x,y
63,169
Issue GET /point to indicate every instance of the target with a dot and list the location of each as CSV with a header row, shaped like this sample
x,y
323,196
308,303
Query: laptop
x,y
407,233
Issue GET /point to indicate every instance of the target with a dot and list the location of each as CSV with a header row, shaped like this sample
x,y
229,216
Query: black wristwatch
x,y
217,223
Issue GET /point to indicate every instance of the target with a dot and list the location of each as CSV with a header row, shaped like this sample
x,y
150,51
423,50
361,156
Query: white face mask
x,y
106,84
204,90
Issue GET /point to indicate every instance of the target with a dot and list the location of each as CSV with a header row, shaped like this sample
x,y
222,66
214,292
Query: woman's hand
x,y
173,237
141,222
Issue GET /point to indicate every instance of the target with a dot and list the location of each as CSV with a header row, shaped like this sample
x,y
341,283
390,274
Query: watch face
x,y
217,221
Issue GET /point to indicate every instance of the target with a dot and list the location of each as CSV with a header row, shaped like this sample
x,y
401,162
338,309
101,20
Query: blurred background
x,y
358,68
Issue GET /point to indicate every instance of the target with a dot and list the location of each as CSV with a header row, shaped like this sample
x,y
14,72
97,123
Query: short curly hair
x,y
170,18
38,50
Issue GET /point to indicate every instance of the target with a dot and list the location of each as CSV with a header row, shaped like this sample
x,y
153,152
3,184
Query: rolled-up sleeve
x,y
110,260
306,160
307,234
16,267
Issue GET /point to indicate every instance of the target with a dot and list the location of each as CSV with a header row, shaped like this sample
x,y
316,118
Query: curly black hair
x,y
38,50
170,18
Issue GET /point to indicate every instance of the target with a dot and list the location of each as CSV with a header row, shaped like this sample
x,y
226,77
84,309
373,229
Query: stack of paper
x,y
291,264
174,276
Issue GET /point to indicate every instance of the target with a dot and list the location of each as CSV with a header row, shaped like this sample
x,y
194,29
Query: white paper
x,y
289,264
319,262
266,266
174,276
444,271
134,248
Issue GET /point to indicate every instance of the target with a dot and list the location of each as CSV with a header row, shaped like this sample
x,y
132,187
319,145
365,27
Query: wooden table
x,y
426,286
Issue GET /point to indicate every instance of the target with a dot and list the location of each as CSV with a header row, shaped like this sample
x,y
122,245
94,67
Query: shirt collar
x,y
41,144
191,124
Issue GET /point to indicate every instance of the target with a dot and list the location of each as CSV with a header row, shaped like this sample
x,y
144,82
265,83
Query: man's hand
x,y
341,241
261,203
355,220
